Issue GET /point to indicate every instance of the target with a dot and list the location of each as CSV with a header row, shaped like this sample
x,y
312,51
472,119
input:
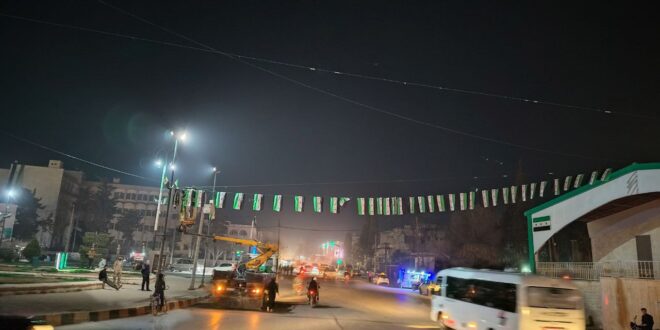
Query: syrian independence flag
x,y
277,203
505,195
220,199
463,200
440,200
541,223
298,202
238,201
452,202
422,204
606,174
484,197
542,188
473,196
532,190
187,198
333,204
557,188
379,205
578,181
411,204
514,194
199,200
567,182
317,202
594,176
372,206
256,202
394,202
523,192
343,201
429,201
360,205
399,205
388,206
493,196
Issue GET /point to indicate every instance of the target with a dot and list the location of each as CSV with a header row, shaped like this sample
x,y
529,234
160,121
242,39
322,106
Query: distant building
x,y
409,246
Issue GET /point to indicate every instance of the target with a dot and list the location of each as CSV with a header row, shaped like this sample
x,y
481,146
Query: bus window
x,y
545,297
497,295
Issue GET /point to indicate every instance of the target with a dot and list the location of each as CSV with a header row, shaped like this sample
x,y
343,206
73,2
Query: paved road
x,y
355,306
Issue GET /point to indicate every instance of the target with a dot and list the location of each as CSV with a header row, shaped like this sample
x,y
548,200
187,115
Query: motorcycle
x,y
313,298
633,324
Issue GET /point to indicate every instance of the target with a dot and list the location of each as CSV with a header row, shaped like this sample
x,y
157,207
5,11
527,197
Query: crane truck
x,y
243,287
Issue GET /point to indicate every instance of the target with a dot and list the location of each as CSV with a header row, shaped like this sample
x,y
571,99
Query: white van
x,y
472,299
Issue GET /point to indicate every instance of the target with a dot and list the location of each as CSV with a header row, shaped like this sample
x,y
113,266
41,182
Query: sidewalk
x,y
98,304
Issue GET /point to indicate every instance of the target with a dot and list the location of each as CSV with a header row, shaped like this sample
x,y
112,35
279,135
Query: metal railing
x,y
593,271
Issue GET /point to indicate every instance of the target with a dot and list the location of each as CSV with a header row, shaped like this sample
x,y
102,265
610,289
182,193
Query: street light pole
x,y
169,203
160,201
208,226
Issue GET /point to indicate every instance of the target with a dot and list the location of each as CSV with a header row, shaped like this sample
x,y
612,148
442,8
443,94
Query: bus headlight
x,y
472,325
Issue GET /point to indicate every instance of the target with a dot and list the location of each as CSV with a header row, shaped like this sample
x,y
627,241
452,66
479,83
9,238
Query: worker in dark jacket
x,y
146,271
273,289
647,320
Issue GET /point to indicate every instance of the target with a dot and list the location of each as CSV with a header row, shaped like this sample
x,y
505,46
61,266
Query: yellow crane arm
x,y
265,250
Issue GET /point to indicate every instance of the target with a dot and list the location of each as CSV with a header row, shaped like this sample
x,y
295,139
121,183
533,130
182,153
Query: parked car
x,y
225,267
382,279
429,287
185,265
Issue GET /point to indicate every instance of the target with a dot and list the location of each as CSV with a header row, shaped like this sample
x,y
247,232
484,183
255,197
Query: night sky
x,y
111,100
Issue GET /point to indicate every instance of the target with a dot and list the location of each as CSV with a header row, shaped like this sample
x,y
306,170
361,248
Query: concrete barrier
x,y
32,288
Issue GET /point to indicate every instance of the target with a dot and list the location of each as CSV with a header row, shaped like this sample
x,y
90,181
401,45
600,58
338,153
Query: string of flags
x,y
190,200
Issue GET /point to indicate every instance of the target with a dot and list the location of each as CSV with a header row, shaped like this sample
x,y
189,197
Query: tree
x,y
27,215
32,250
127,224
476,238
96,207
100,242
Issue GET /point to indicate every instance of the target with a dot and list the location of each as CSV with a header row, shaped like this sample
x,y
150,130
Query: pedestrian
x,y
116,267
159,288
647,320
273,289
91,254
146,270
102,263
103,277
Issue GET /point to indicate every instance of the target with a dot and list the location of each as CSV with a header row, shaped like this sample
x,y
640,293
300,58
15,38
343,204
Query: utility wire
x,y
322,91
383,79
39,145
348,100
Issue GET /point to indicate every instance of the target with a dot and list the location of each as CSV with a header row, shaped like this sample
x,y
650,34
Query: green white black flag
x,y
277,203
556,186
256,202
440,200
342,201
333,204
411,204
220,199
567,182
399,205
317,202
472,196
514,194
372,206
605,174
431,204
594,176
493,196
578,181
298,202
452,202
463,201
360,205
505,195
379,205
238,201
523,192
395,209
422,204
542,188
388,206
532,190
484,197
541,223
187,198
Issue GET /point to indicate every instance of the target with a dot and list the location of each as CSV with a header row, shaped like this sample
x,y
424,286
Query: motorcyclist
x,y
313,285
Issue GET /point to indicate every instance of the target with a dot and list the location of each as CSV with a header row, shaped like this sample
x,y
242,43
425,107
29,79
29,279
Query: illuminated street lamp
x,y
208,227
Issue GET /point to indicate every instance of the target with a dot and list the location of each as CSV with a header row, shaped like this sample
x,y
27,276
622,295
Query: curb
x,y
19,289
104,315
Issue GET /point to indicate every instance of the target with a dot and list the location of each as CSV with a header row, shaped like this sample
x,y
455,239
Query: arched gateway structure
x,y
617,209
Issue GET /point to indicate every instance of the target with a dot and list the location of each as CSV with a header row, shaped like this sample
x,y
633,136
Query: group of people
x,y
286,270
159,288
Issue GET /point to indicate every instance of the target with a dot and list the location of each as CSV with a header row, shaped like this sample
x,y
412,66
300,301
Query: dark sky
x,y
110,100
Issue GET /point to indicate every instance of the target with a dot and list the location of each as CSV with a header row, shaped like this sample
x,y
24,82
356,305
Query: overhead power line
x,y
319,90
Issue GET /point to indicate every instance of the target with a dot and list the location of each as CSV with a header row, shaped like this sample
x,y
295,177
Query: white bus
x,y
472,299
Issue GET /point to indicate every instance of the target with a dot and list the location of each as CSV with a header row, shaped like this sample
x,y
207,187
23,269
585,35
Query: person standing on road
x,y
647,320
146,270
116,267
159,288
273,289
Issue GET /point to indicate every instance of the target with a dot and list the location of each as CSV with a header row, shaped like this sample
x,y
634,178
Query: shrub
x,y
32,250
8,254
